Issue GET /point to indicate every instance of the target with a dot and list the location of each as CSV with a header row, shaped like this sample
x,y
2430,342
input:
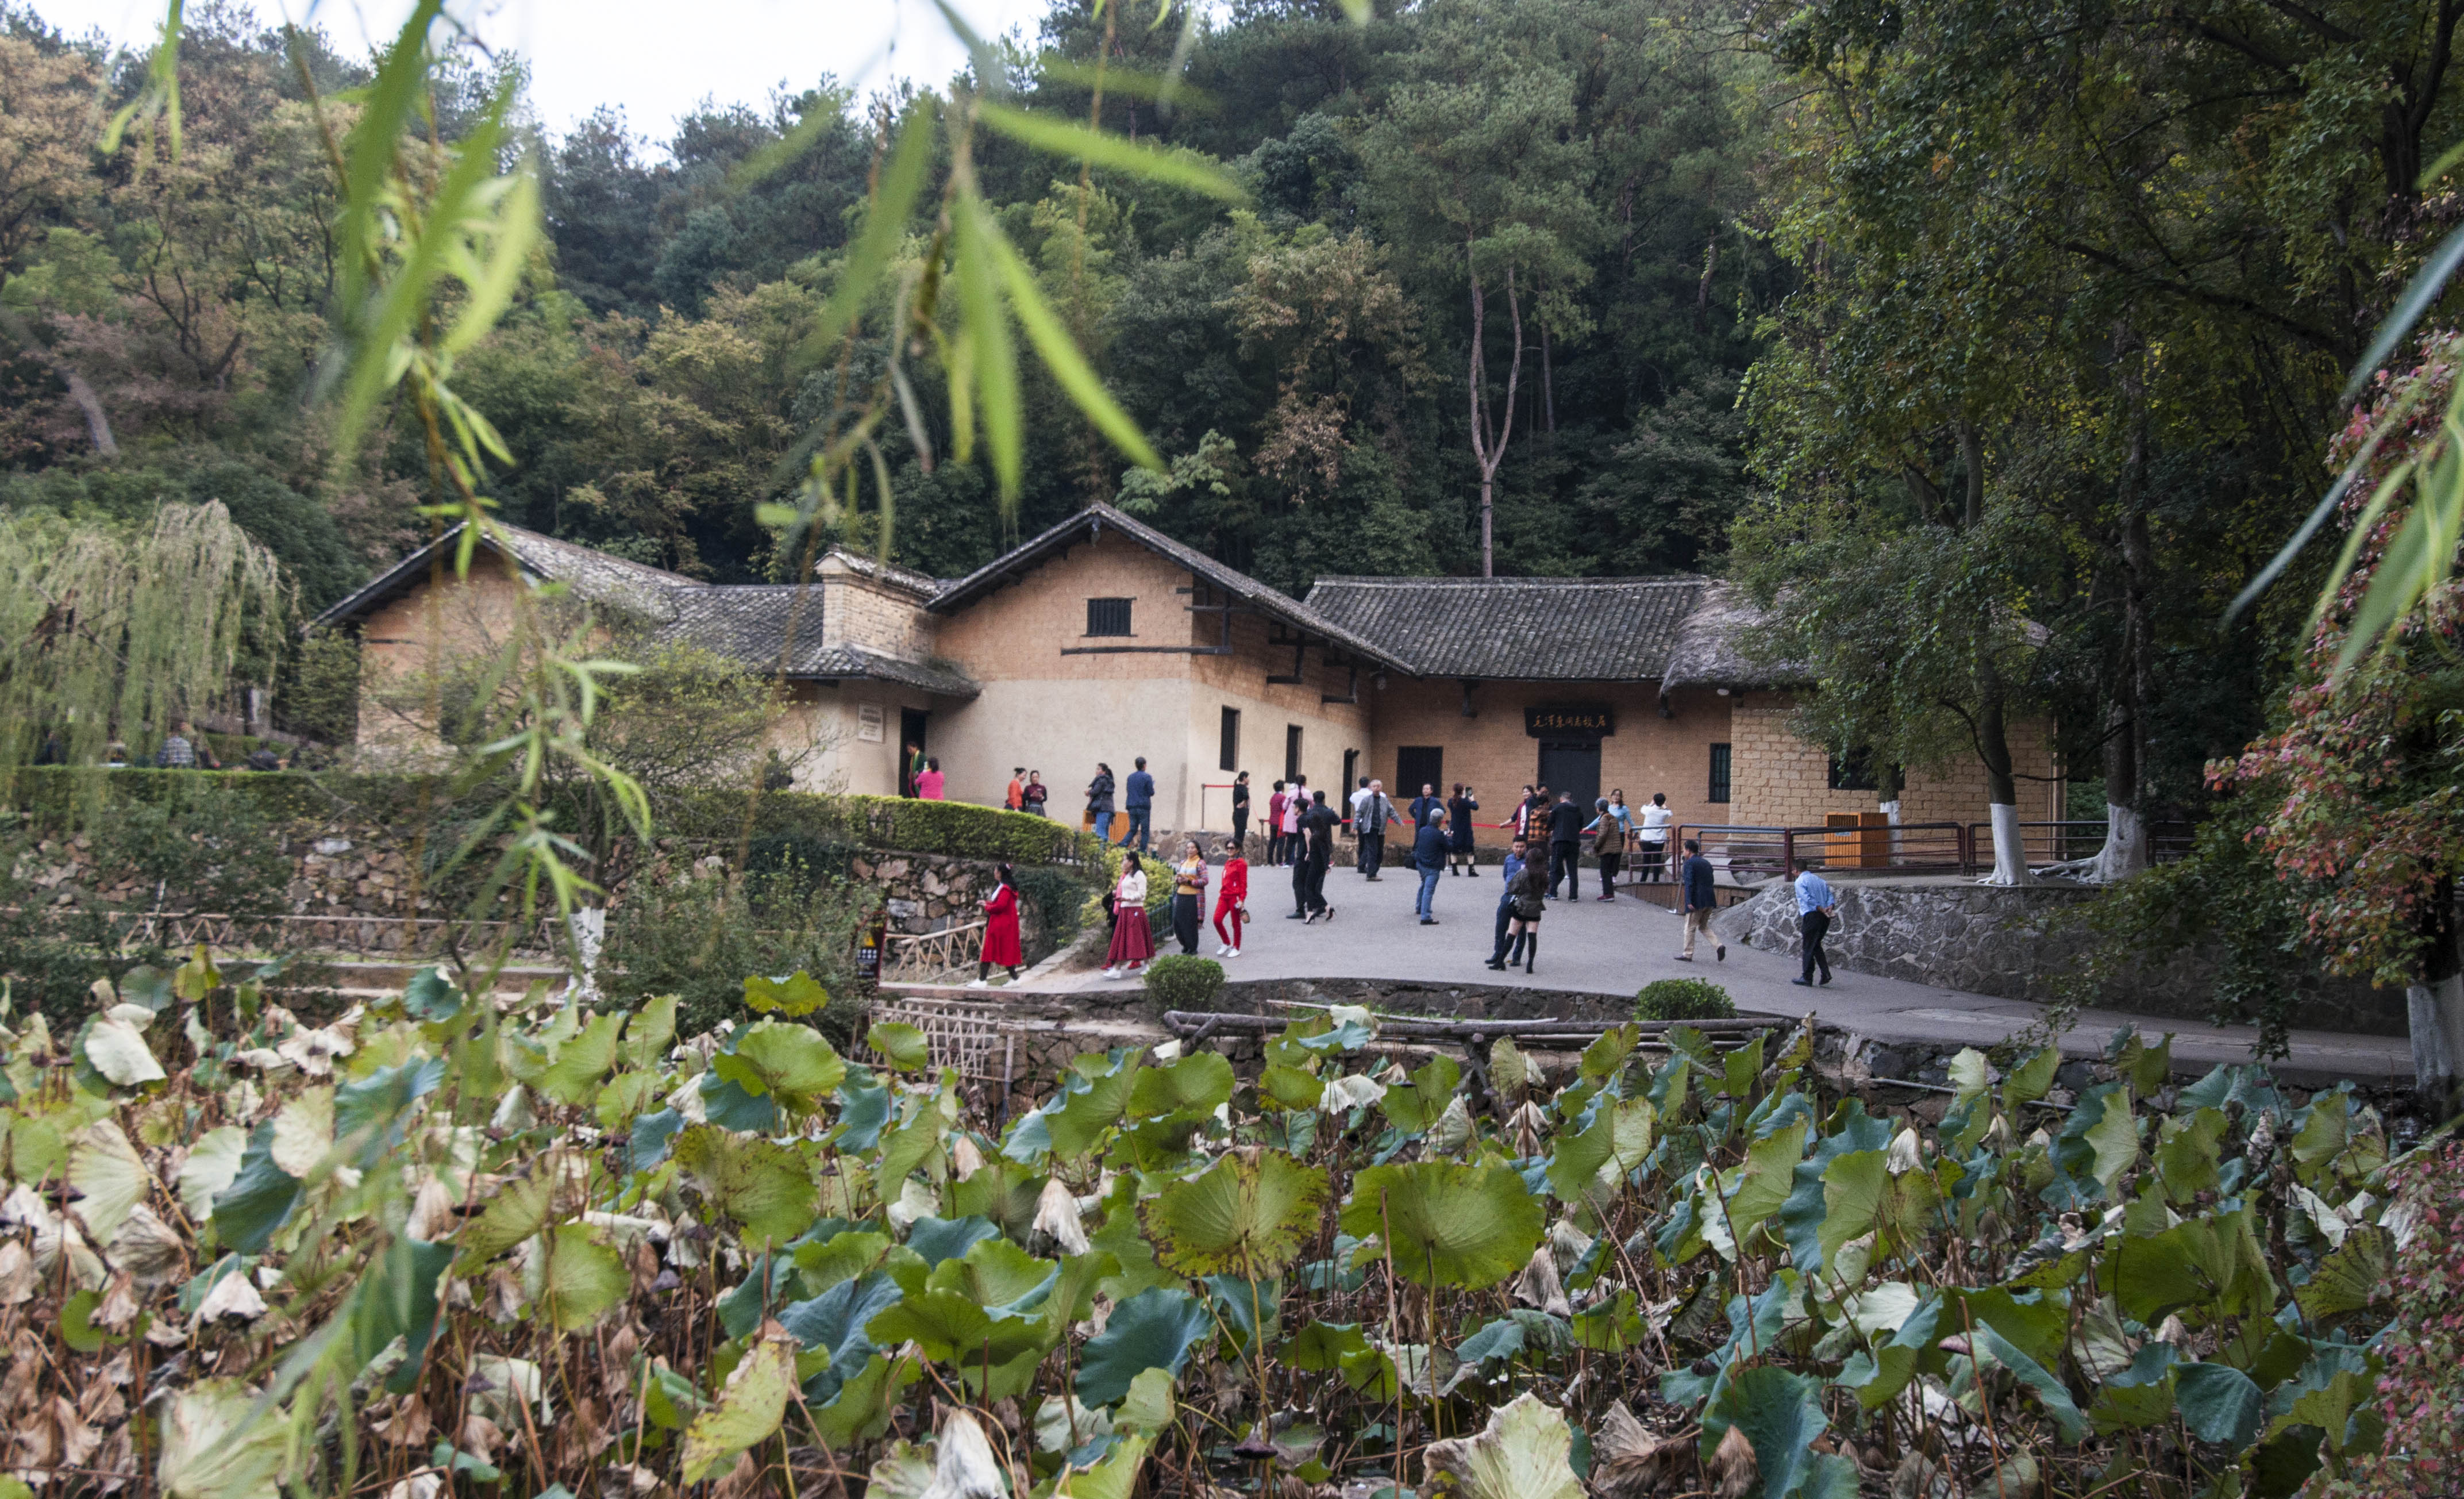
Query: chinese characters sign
x,y
1569,721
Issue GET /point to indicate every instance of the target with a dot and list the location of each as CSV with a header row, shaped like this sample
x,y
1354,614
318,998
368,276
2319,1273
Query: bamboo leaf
x,y
1176,169
1060,353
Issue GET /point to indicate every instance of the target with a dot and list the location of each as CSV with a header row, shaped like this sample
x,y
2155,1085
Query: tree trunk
x,y
1993,733
1489,448
2434,1003
98,422
2125,745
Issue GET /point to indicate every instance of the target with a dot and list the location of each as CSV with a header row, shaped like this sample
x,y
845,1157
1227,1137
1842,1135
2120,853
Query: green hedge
x,y
57,796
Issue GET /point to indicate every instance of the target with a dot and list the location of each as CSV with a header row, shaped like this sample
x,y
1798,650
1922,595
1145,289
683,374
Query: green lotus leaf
x,y
1199,1083
2219,1404
259,1199
997,1275
1415,1107
1447,1226
109,1172
903,1045
518,1210
1288,1087
1238,1215
580,1278
796,994
1323,1345
789,1063
750,1408
1154,1330
651,1028
1780,1413
762,1184
2357,1275
582,1062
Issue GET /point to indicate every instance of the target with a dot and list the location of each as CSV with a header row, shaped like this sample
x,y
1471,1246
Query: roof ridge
x,y
1405,580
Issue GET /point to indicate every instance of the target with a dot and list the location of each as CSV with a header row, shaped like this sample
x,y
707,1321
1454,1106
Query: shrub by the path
x,y
1184,983
1683,998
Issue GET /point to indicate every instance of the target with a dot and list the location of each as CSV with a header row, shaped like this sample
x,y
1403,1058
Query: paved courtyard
x,y
1615,948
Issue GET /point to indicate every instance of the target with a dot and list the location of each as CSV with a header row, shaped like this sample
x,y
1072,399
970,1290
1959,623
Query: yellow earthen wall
x,y
1061,713
1783,782
1492,751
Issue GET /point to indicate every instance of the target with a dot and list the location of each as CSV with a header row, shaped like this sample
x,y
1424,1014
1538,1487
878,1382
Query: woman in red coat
x,y
1232,899
1001,933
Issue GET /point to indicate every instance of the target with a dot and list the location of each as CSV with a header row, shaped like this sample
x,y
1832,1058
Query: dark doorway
x,y
1571,766
911,747
1350,770
1416,765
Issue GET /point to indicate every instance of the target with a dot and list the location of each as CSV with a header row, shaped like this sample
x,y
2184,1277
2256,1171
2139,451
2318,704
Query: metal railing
x,y
1749,854
2066,841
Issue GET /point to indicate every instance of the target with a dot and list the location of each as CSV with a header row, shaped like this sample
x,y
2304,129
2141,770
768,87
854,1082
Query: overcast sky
x,y
653,59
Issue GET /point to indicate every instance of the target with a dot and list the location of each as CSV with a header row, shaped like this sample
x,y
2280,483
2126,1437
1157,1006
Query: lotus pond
x,y
440,1246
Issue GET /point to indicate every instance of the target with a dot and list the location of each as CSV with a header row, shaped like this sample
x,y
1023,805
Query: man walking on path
x,y
1816,906
1372,813
1317,830
1429,857
1137,799
1566,845
1651,839
1427,808
1514,857
1700,900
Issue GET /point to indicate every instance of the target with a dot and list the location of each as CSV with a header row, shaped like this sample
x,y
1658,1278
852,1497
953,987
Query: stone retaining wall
x,y
2020,944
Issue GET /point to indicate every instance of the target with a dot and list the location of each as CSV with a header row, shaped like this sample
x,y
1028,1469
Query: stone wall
x,y
339,871
2020,944
1783,782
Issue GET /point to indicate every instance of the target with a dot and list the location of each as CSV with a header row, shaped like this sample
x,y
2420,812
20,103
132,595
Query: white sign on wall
x,y
867,723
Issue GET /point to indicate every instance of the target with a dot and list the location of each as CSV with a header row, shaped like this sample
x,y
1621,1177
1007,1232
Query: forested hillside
x,y
1302,361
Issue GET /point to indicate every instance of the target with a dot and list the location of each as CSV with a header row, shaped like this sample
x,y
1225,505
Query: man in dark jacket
x,y
1566,845
1317,834
1700,901
1373,812
1429,857
1514,857
1137,799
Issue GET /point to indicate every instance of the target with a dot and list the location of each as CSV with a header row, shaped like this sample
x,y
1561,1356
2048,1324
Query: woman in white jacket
x,y
1133,943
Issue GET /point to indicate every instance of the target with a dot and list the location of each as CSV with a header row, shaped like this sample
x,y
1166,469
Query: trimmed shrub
x,y
689,938
1184,983
1683,999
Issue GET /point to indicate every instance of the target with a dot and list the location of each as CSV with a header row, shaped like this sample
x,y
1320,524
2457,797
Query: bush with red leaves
x,y
2421,1395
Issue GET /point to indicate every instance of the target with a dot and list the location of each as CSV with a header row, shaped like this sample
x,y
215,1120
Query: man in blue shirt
x,y
1429,857
1816,906
1700,899
1138,800
1515,858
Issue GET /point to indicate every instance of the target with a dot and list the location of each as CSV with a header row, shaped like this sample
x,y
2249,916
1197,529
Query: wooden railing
x,y
913,956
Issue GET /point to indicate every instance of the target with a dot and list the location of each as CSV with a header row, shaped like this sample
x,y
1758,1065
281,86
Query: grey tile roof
x,y
922,585
748,622
1565,630
1713,648
1266,600
593,576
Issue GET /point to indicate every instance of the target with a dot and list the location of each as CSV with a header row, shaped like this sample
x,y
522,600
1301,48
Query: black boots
x,y
1531,949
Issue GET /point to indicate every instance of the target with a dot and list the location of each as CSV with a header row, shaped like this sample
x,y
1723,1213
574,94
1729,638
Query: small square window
x,y
1108,617
1719,791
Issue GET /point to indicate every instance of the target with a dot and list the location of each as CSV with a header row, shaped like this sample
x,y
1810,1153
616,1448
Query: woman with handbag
x,y
1188,894
1530,891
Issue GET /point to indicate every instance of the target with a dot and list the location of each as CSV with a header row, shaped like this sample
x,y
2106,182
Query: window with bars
x,y
1108,617
1719,791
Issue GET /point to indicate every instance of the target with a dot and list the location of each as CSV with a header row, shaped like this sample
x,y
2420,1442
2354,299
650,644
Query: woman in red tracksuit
x,y
1001,933
1232,899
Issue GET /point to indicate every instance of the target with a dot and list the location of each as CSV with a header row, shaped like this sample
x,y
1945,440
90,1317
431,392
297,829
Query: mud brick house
x,y
1102,639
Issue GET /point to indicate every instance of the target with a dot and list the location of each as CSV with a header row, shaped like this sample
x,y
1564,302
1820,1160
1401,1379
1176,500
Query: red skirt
x,y
1131,941
1000,940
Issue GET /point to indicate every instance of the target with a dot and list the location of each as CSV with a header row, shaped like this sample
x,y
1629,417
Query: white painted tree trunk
x,y
2125,845
588,929
2010,854
2436,1012
1891,815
